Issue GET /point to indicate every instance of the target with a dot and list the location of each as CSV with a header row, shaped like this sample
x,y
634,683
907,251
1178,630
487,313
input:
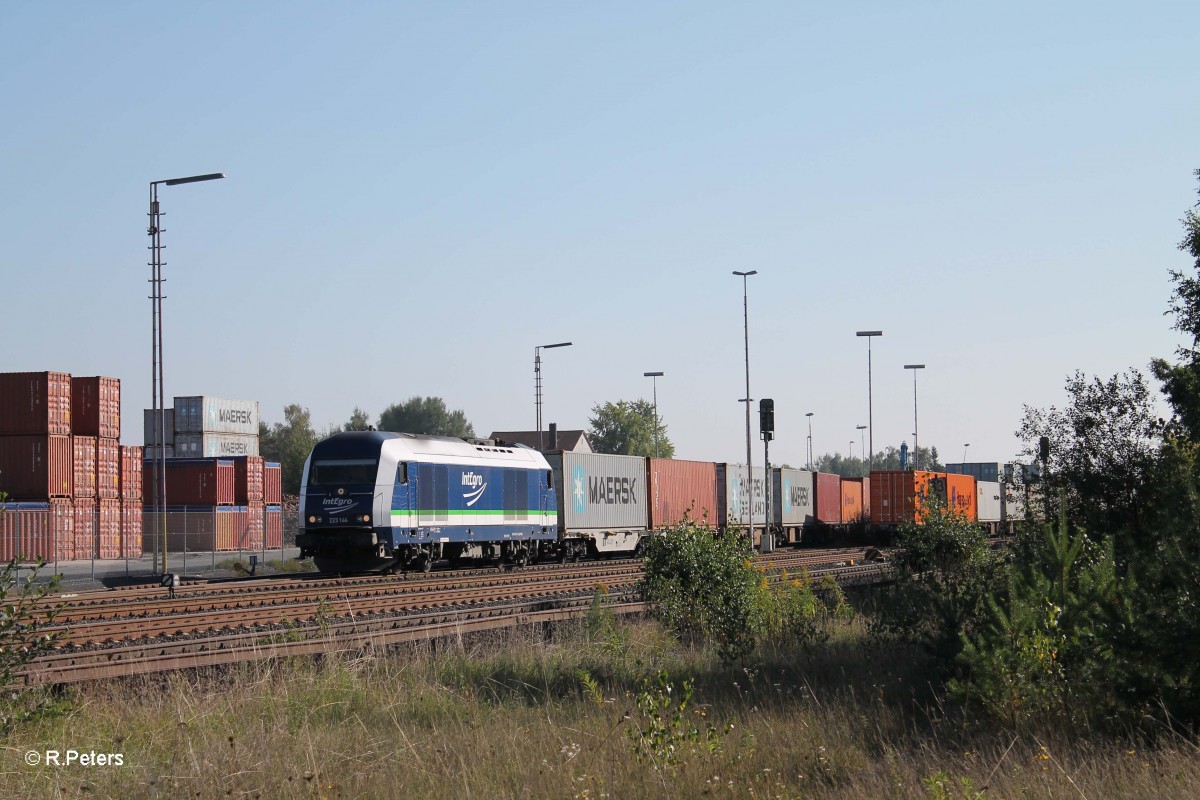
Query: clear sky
x,y
420,193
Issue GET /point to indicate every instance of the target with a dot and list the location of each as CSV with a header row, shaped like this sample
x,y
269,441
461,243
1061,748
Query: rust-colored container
x,y
131,529
866,493
96,407
35,402
272,483
961,497
87,527
108,539
108,469
36,467
37,530
195,481
829,498
273,527
677,487
230,521
190,527
852,496
131,472
248,480
897,496
62,521
252,530
84,448
25,532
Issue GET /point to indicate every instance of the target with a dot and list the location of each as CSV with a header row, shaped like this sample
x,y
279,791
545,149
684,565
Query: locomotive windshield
x,y
342,471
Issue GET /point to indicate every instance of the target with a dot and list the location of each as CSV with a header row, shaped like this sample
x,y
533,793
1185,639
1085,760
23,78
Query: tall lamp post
x,y
851,449
810,416
914,368
862,428
537,382
746,400
654,376
965,446
870,402
158,479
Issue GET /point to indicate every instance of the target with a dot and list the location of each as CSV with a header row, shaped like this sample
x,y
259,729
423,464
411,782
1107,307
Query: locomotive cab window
x,y
342,471
549,479
402,472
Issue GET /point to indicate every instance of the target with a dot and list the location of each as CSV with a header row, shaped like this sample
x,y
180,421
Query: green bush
x,y
944,572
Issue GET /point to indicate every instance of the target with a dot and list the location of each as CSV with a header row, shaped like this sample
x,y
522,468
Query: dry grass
x,y
511,717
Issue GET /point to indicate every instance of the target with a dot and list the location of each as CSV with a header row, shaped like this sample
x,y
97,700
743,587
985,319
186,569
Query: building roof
x,y
575,441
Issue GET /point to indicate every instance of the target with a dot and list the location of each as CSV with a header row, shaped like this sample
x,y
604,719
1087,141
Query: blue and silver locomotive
x,y
394,501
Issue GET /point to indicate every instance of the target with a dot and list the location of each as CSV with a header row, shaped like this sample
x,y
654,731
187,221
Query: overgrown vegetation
x,y
23,619
706,588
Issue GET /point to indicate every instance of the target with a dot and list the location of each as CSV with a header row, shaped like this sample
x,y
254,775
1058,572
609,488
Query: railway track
x,y
141,630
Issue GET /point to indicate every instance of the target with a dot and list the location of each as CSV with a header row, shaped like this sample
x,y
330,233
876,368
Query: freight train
x,y
399,501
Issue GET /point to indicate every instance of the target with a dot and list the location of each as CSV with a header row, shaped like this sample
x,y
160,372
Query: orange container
x,y
898,496
108,535
852,500
96,407
87,525
679,486
273,527
84,448
961,497
131,472
131,526
108,469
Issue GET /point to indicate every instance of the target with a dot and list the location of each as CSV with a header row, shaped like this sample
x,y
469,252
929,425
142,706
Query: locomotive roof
x,y
352,444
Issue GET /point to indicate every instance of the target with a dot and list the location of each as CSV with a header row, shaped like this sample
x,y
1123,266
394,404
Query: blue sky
x,y
420,193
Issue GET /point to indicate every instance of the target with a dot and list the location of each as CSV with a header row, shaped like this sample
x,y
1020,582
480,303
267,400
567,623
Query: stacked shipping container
x,y
59,449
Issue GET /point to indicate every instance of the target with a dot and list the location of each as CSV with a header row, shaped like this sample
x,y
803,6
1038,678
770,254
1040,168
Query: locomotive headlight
x,y
312,520
366,517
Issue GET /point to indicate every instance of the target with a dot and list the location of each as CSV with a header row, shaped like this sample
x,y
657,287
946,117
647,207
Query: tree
x,y
289,443
359,421
888,458
627,428
1103,449
426,415
1181,382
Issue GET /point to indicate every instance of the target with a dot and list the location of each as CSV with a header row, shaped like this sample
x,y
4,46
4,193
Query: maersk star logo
x,y
787,495
578,491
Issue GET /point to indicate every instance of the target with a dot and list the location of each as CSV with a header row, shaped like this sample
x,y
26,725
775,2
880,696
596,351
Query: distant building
x,y
574,441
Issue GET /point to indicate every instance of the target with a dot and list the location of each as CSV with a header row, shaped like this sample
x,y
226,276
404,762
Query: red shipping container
x,y
96,407
36,467
62,519
273,527
131,529
866,484
852,495
195,481
85,466
680,487
252,530
961,496
25,532
35,402
87,527
108,469
829,498
108,539
897,496
272,483
248,480
131,472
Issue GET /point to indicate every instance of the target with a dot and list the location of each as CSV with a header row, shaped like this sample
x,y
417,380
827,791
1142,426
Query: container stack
x,y
60,460
212,504
131,482
207,427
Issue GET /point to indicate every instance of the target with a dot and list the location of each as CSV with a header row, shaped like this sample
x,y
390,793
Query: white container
x,y
210,445
202,414
989,496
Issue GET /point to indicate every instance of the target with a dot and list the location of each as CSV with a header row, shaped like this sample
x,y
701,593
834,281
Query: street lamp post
x,y
870,401
964,461
746,400
654,376
537,382
158,480
810,416
851,449
914,368
862,428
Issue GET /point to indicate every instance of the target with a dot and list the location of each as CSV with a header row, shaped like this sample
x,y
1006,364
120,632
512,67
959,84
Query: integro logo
x,y
475,487
578,492
337,504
